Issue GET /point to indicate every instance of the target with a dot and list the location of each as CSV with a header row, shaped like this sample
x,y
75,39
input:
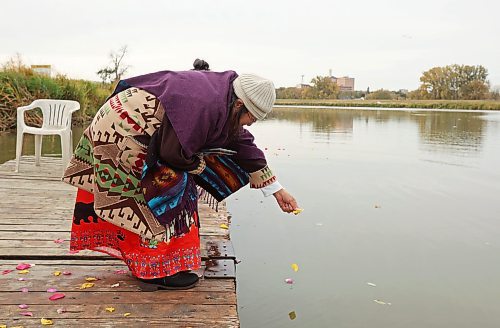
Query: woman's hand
x,y
286,201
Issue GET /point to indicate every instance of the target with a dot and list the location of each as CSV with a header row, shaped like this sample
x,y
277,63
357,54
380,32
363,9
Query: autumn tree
x,y
454,82
323,88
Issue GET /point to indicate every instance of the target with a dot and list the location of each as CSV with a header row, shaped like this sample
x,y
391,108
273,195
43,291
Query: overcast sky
x,y
383,44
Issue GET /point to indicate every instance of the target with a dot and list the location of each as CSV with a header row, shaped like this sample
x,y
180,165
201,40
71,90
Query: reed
x,y
19,86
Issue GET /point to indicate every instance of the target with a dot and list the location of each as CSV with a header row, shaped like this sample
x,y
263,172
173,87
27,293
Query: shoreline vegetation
x,y
424,104
20,85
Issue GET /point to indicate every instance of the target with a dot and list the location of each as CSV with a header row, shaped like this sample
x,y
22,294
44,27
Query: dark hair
x,y
200,65
234,117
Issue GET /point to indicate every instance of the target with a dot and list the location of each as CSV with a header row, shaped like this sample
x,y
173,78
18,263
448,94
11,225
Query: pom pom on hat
x,y
257,93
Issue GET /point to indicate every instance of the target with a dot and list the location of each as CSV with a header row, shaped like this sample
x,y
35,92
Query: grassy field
x,y
20,87
437,104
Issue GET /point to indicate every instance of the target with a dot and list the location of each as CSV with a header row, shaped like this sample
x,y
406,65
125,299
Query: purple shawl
x,y
195,102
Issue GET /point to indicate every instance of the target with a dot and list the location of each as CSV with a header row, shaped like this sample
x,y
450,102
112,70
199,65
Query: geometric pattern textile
x,y
109,159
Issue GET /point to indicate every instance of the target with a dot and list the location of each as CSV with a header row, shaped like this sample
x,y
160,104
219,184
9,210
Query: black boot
x,y
180,280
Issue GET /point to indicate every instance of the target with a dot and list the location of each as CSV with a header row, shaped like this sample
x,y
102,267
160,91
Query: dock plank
x,y
36,209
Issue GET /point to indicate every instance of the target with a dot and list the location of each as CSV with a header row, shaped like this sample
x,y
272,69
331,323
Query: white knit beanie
x,y
257,93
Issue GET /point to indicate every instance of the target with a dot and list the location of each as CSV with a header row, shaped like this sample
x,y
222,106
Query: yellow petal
x,y
23,271
90,279
126,314
46,322
295,267
224,226
87,285
57,273
3,326
110,309
297,211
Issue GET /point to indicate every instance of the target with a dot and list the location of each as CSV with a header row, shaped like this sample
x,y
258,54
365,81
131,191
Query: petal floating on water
x,y
289,281
292,315
295,267
371,284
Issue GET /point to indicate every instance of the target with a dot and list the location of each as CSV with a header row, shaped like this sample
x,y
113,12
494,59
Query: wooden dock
x,y
36,210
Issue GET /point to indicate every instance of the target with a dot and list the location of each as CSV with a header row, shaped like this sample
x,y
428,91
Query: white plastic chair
x,y
56,120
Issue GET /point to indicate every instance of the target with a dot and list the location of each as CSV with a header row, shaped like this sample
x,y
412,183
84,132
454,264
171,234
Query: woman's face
x,y
246,118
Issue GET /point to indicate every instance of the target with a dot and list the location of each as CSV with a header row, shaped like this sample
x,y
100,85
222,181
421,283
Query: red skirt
x,y
145,261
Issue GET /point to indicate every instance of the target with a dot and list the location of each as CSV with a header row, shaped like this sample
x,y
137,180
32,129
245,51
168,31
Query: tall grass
x,y
19,86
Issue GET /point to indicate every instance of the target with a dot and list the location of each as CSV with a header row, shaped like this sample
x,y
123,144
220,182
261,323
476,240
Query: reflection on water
x,y
439,131
405,200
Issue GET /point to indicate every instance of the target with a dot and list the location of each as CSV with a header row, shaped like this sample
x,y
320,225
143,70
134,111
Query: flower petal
x,y
57,296
23,266
46,322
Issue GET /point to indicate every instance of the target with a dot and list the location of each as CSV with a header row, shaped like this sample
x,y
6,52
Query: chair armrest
x,y
20,114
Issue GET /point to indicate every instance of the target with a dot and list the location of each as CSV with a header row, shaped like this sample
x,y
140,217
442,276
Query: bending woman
x,y
159,141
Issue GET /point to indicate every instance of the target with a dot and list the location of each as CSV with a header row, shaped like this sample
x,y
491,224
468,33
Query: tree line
x,y
452,82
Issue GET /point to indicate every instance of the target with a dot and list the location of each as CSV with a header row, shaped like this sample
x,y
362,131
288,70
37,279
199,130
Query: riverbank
x,y
423,104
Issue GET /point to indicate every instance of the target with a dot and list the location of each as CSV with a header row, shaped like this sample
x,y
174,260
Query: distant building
x,y
303,86
42,69
345,83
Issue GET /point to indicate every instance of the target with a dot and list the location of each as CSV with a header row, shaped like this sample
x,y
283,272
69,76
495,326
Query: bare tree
x,y
114,72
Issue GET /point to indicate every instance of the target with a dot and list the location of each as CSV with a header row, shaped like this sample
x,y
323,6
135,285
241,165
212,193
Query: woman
x,y
159,141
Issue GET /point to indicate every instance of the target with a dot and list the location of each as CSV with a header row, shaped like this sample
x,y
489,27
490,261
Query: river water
x,y
400,227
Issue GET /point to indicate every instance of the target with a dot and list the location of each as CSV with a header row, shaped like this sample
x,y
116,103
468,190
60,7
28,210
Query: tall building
x,y
345,83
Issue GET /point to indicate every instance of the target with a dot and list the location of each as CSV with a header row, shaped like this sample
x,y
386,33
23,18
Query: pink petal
x,y
7,271
23,306
24,290
59,241
61,310
66,273
23,266
21,279
73,252
26,314
51,290
57,296
121,271
289,281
